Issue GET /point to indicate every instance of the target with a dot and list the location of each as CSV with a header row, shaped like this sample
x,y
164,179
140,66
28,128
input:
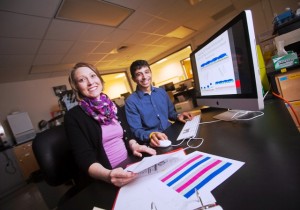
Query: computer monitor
x,y
225,68
169,86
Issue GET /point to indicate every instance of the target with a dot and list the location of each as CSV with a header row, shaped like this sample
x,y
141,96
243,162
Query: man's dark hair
x,y
136,65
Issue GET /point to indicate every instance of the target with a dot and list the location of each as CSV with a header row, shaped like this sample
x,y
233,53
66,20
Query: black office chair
x,y
53,154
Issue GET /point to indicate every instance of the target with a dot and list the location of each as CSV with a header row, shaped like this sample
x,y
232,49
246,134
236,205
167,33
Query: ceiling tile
x,y
8,60
24,26
74,58
105,47
155,7
135,21
84,47
151,38
167,41
55,46
45,8
36,69
96,33
65,30
166,28
94,57
39,75
118,36
134,4
46,59
137,38
176,13
152,25
18,46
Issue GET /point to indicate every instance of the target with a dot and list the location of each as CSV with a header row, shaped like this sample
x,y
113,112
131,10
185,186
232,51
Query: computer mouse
x,y
164,143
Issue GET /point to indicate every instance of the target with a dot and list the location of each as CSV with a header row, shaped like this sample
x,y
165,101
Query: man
x,y
149,109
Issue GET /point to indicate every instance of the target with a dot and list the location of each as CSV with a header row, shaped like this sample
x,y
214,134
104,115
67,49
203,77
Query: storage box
x,y
296,107
288,60
184,106
288,85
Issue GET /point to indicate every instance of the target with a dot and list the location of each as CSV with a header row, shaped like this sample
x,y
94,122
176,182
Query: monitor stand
x,y
233,114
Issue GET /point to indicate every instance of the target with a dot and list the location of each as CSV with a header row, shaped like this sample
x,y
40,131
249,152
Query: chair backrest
x,y
53,153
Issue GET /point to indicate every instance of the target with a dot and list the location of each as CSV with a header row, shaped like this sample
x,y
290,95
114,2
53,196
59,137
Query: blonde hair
x,y
73,82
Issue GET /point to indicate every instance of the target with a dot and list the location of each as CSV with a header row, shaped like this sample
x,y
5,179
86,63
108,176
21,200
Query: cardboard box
x,y
296,107
184,106
288,85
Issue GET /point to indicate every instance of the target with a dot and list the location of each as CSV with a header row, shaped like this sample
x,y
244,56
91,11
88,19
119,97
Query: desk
x,y
269,146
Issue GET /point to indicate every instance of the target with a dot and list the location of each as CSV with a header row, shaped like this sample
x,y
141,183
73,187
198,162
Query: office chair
x,y
125,95
53,154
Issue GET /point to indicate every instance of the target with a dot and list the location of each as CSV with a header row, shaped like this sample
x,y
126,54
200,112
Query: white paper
x,y
197,170
139,194
156,162
96,208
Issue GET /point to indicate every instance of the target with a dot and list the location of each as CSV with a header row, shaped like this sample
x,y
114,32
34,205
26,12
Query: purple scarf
x,y
103,110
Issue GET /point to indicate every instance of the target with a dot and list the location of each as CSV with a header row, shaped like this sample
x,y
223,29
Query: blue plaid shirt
x,y
147,113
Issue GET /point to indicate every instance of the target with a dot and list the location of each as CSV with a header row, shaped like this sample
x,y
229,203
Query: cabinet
x,y
10,173
26,159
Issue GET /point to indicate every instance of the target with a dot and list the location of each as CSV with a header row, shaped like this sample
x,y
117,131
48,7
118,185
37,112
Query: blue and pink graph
x,y
195,173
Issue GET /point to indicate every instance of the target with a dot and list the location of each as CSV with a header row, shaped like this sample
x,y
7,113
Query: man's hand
x,y
155,137
184,116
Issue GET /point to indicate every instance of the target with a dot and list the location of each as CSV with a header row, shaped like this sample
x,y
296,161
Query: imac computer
x,y
226,71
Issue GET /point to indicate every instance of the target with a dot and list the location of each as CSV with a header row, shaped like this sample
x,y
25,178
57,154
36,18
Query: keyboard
x,y
190,128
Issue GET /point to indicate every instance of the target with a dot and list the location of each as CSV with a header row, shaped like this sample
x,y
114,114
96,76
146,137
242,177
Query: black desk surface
x,y
269,146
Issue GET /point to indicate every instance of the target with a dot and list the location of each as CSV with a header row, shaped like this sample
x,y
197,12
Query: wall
x,y
35,97
113,88
171,68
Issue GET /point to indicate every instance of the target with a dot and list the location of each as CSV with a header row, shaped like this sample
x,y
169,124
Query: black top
x,y
85,136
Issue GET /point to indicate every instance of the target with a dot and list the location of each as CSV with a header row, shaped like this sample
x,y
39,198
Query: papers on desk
x,y
173,186
155,164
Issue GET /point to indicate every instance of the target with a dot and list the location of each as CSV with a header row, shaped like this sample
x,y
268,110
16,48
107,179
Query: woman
x,y
98,130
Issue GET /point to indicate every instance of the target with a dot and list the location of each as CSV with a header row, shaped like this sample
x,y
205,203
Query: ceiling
x,y
36,42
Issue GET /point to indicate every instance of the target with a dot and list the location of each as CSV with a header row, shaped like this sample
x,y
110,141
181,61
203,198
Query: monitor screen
x,y
225,67
169,86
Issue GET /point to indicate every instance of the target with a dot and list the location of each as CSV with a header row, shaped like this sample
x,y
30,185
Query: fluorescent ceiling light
x,y
193,2
95,12
180,32
120,75
161,61
114,51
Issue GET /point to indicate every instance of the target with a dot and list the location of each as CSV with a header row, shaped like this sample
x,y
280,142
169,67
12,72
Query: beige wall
x,y
171,70
37,98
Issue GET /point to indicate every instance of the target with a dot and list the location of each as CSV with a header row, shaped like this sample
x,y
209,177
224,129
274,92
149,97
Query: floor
x,y
27,197
35,195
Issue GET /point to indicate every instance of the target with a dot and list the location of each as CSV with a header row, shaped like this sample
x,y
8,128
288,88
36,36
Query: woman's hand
x,y
119,177
137,149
